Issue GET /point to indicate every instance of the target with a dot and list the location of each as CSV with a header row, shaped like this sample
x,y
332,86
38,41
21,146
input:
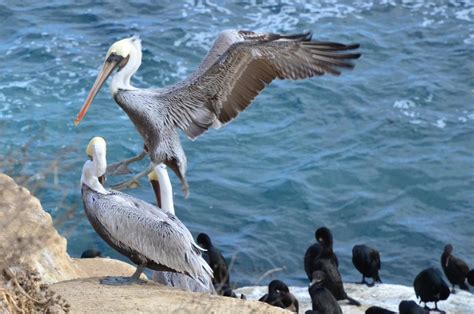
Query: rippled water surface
x,y
382,155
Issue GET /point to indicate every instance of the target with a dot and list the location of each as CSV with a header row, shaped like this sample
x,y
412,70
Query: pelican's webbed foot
x,y
134,181
119,281
121,167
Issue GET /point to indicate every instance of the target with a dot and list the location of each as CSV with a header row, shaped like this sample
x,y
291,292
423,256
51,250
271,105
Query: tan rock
x,y
89,296
101,267
27,234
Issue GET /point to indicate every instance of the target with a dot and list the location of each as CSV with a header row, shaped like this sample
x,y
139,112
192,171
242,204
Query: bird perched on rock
x,y
149,236
279,295
430,287
228,292
322,300
410,307
454,268
312,253
327,262
217,262
161,184
91,253
367,261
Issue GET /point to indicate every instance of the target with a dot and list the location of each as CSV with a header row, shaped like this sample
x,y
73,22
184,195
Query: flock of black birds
x,y
326,287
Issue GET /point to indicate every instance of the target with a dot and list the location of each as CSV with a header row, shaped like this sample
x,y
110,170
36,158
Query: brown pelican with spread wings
x,y
236,69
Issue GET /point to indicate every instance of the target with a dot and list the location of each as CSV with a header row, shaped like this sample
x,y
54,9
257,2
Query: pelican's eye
x,y
113,57
119,60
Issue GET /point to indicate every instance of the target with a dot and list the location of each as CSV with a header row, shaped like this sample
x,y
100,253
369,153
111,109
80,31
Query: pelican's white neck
x,y
166,190
95,168
121,79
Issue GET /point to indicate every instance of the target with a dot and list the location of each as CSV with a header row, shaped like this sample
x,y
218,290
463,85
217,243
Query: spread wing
x,y
217,93
228,37
158,235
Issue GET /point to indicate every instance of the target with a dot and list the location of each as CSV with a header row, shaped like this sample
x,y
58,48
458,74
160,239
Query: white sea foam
x,y
427,22
419,115
404,104
465,15
469,40
417,121
410,114
440,123
285,16
19,84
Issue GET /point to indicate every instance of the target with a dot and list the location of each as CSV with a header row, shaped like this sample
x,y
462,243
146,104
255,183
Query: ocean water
x,y
382,155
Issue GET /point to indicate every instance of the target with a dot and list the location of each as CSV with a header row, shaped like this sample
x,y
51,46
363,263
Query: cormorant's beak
x,y
107,69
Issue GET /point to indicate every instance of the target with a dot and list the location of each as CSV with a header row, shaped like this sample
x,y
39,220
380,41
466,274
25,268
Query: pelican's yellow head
x,y
122,53
121,48
96,144
153,176
93,172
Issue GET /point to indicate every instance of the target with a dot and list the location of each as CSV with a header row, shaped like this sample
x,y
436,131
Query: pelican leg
x,y
138,272
121,167
133,182
119,281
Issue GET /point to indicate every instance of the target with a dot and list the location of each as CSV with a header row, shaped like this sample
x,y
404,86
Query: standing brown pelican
x,y
236,69
149,236
160,181
161,184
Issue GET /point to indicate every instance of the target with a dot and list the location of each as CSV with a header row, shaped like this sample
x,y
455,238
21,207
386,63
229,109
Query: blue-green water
x,y
382,155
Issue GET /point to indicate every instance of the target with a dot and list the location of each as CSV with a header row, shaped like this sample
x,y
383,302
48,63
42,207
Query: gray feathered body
x,y
151,120
238,67
183,282
144,233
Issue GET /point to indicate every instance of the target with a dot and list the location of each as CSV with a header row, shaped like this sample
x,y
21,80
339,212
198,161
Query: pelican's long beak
x,y
155,184
107,69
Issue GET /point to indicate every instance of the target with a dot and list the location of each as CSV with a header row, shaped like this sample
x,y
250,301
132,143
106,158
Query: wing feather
x,y
241,69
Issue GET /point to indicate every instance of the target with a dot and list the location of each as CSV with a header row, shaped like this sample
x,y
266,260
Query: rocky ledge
x,y
28,238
